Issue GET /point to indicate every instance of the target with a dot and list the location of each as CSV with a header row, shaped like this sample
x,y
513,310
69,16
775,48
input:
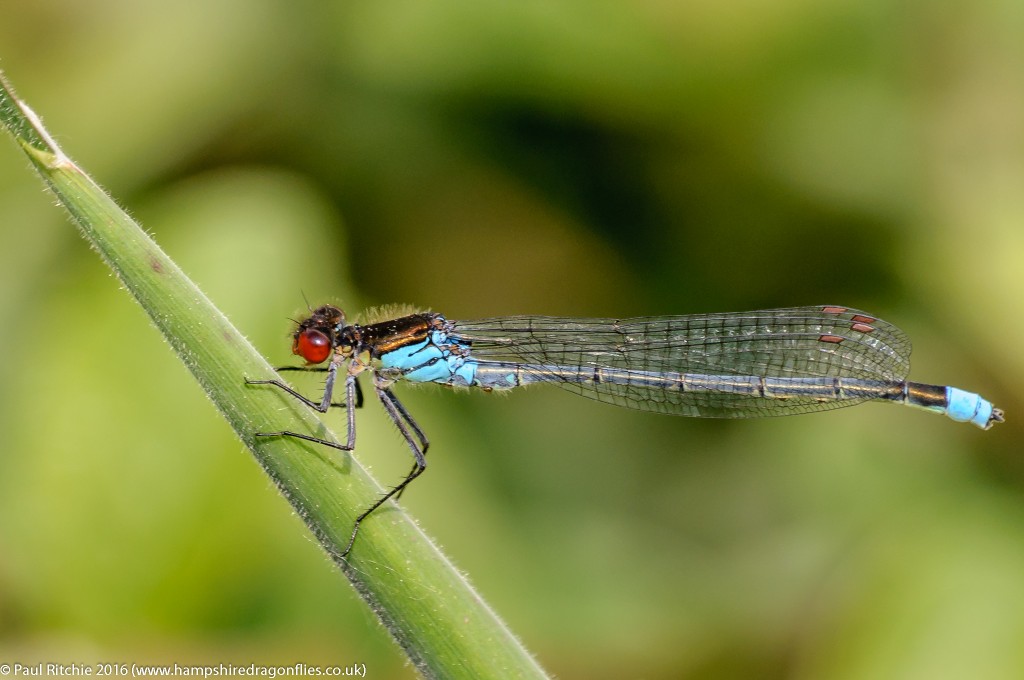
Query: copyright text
x,y
174,670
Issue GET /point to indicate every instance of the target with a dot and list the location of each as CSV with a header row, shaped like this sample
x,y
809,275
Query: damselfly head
x,y
317,336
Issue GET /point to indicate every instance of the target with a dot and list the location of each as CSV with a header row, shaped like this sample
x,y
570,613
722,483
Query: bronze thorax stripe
x,y
384,337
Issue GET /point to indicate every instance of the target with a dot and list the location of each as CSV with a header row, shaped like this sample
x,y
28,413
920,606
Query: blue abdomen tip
x,y
966,406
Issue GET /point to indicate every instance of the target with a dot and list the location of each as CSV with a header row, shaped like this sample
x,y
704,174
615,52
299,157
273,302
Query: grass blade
x,y
440,622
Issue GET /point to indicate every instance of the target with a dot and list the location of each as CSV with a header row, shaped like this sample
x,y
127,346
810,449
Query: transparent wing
x,y
801,342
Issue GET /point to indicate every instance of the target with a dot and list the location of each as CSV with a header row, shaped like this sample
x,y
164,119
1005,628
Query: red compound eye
x,y
312,345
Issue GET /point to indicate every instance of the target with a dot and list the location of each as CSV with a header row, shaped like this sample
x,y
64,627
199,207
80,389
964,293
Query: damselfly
x,y
734,365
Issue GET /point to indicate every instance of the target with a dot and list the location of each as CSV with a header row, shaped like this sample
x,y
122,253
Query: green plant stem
x,y
440,622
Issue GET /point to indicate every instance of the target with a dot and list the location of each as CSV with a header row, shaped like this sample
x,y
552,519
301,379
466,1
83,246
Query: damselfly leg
x,y
314,369
403,420
351,387
398,413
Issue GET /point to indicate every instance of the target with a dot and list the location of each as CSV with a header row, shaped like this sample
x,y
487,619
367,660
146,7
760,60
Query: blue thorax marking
x,y
433,360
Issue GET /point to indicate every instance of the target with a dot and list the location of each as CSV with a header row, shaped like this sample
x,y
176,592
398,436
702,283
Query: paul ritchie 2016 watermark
x,y
174,670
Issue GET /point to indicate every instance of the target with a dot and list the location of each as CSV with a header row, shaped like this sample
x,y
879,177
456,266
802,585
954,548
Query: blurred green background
x,y
491,158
